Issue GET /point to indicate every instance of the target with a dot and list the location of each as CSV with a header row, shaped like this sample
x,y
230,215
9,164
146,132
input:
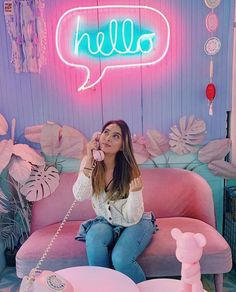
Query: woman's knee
x,y
120,259
99,233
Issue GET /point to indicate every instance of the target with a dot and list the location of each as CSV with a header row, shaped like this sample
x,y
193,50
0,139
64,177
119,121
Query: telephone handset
x,y
98,155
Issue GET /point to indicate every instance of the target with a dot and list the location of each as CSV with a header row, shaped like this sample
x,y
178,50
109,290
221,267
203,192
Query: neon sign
x,y
118,45
127,28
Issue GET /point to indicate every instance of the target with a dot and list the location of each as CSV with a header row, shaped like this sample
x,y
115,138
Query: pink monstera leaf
x,y
140,151
157,143
42,182
190,134
223,168
214,150
3,125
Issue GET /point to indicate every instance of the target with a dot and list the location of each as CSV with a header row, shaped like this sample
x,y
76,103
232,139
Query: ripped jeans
x,y
106,250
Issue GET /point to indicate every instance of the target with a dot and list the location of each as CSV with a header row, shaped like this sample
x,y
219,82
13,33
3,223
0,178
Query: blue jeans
x,y
121,254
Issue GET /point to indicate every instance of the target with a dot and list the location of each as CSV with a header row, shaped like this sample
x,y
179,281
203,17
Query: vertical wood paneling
x,y
121,89
151,97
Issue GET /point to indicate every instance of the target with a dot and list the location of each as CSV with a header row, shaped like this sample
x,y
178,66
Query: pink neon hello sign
x,y
74,23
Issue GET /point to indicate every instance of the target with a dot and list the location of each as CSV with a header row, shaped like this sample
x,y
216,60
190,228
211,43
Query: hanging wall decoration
x,y
27,29
212,47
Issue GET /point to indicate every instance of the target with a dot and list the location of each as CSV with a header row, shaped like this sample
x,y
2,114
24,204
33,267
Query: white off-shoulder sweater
x,y
124,212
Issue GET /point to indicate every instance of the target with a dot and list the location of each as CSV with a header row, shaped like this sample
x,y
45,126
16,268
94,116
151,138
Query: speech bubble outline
x,y
86,68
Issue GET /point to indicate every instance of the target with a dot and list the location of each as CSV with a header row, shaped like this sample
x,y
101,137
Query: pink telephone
x,y
98,155
45,281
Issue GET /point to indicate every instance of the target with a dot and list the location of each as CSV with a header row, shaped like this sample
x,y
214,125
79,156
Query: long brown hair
x,y
125,168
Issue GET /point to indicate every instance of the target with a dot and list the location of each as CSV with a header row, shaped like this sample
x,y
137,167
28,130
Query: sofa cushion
x,y
157,260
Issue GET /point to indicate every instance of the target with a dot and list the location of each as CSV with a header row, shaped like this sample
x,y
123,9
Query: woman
x,y
121,230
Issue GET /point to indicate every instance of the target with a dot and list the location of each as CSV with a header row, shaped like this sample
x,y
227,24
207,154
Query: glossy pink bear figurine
x,y
189,248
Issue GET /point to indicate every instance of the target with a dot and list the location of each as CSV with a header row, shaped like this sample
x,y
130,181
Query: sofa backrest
x,y
175,192
168,192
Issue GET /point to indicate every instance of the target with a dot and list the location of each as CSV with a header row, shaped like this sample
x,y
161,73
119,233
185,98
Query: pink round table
x,y
97,279
160,285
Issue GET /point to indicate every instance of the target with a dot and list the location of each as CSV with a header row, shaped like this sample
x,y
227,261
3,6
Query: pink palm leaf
x,y
140,151
214,150
6,150
157,143
56,140
3,125
223,168
33,133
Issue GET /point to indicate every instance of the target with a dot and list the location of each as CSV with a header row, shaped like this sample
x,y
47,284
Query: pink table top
x,y
97,279
160,285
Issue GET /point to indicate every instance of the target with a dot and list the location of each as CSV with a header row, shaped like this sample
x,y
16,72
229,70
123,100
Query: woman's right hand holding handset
x,y
91,145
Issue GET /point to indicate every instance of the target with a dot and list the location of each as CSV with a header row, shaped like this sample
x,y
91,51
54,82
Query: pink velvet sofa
x,y
179,198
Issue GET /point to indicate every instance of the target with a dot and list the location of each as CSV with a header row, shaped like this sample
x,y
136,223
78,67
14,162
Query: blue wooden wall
x,y
152,97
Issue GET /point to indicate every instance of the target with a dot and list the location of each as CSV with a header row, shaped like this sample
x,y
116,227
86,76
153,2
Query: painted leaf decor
x,y
72,143
3,125
190,134
33,133
214,150
139,146
223,168
42,182
157,143
19,157
56,140
6,148
19,169
50,139
28,154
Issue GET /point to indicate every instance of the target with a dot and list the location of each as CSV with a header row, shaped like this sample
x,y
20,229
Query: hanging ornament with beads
x,y
212,47
210,94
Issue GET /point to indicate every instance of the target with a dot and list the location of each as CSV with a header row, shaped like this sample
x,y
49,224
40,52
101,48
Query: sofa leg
x,y
218,280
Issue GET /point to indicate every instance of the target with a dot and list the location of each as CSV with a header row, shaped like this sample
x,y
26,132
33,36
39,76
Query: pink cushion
x,y
157,260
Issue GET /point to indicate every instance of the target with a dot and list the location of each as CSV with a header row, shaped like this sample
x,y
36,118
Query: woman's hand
x,y
91,145
136,184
